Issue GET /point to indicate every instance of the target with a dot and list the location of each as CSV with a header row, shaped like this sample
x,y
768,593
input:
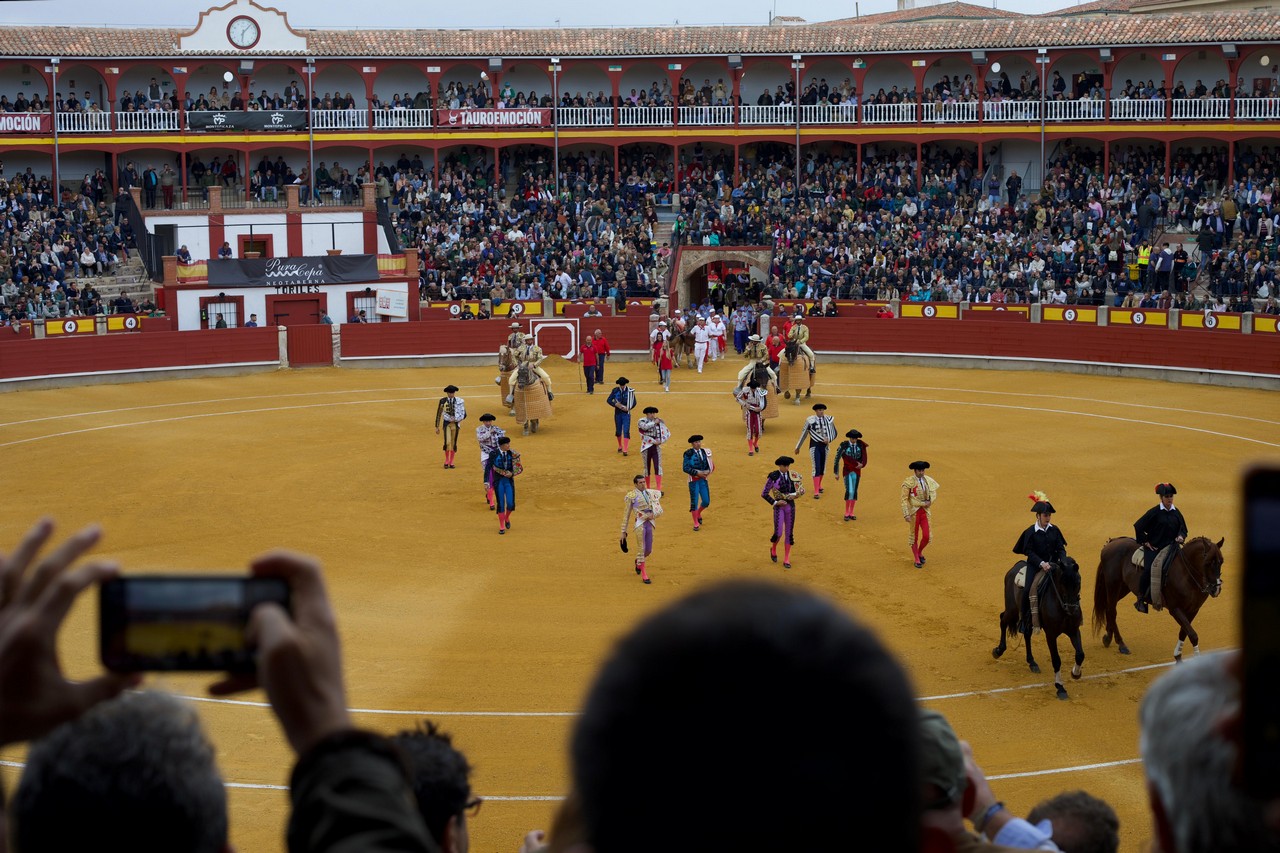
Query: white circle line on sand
x,y
1127,404
941,697
915,401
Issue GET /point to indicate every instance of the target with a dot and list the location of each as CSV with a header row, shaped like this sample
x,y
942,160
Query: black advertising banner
x,y
300,275
247,120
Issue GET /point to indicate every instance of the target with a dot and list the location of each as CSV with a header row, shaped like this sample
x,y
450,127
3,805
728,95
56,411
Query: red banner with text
x,y
493,118
26,123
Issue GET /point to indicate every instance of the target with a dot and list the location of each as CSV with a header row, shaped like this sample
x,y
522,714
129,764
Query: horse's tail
x,y
1100,595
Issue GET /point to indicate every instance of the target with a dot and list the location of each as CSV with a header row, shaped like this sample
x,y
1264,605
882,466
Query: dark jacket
x,y
1041,546
351,793
1159,527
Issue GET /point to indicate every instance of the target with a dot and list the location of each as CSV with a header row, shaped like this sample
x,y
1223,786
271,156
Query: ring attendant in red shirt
x,y
590,364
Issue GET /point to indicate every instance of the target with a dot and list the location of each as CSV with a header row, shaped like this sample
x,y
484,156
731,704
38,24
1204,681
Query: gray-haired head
x,y
136,772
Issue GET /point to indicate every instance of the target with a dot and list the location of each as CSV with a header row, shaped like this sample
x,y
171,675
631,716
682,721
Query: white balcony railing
x,y
1143,109
1201,108
1082,110
401,117
889,113
1258,108
956,112
720,115
147,121
773,114
84,122
1011,111
340,119
644,116
585,116
829,113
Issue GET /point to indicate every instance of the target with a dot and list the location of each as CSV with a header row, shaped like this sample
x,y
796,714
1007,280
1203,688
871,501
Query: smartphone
x,y
1260,623
182,622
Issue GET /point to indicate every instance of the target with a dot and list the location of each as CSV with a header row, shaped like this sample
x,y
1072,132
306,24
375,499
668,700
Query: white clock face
x,y
243,32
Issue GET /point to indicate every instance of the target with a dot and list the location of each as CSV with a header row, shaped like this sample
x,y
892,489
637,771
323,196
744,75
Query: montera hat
x,y
451,389
1041,503
819,407
651,410
784,460
486,417
694,438
1166,489
853,433
918,465
941,759
621,380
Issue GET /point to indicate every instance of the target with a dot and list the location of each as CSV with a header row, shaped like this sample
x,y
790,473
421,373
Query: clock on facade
x,y
243,32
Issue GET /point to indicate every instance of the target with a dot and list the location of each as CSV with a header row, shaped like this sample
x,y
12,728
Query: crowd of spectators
x,y
520,240
52,248
961,236
885,228
457,94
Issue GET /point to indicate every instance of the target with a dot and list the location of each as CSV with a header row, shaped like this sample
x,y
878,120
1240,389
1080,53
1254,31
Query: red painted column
x,y
293,234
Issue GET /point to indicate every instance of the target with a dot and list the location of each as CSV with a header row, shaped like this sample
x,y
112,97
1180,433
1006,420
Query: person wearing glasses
x,y
440,776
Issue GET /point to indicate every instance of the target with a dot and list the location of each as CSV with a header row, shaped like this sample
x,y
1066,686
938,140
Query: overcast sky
x,y
329,14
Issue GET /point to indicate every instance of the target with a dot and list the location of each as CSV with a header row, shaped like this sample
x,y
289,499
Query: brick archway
x,y
690,259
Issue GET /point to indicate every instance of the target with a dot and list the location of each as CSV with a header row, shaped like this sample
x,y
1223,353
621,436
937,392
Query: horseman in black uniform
x,y
1163,525
1041,543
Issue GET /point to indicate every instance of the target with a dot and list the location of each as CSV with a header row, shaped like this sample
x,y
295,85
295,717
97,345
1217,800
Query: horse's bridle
x,y
1071,609
1202,583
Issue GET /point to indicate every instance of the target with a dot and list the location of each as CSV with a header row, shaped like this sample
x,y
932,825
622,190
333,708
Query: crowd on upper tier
x,y
1119,228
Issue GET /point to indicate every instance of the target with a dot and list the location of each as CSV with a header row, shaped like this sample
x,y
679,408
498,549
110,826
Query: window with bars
x,y
230,312
368,305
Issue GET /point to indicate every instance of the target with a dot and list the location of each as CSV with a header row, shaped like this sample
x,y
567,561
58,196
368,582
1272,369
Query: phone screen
x,y
1261,629
182,622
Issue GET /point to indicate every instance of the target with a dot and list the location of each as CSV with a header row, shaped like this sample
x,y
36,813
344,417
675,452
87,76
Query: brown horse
x,y
682,345
1058,602
1192,576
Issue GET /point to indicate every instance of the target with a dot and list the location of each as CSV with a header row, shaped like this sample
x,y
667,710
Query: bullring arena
x,y
497,637
233,277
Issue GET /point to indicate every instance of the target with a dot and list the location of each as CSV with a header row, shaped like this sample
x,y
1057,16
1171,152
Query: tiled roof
x,y
1097,7
929,13
811,39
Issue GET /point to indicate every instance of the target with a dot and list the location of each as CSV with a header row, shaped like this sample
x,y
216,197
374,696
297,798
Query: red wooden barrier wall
x,y
1137,346
96,353
1056,341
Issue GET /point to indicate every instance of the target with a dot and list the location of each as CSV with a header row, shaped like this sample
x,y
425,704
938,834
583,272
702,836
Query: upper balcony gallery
x,y
243,68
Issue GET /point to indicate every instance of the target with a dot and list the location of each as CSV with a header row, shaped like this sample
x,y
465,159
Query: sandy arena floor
x,y
497,637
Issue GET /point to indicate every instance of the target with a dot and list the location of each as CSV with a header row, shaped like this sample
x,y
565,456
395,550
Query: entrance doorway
x,y
293,310
310,342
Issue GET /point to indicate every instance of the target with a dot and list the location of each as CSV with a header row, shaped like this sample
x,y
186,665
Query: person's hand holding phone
x,y
299,657
35,597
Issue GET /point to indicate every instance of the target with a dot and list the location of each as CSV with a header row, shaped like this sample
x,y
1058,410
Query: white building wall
x,y
186,303
190,231
324,231
258,225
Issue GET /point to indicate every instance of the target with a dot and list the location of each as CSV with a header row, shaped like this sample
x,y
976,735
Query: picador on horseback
x,y
531,354
757,356
1043,545
798,334
1161,526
